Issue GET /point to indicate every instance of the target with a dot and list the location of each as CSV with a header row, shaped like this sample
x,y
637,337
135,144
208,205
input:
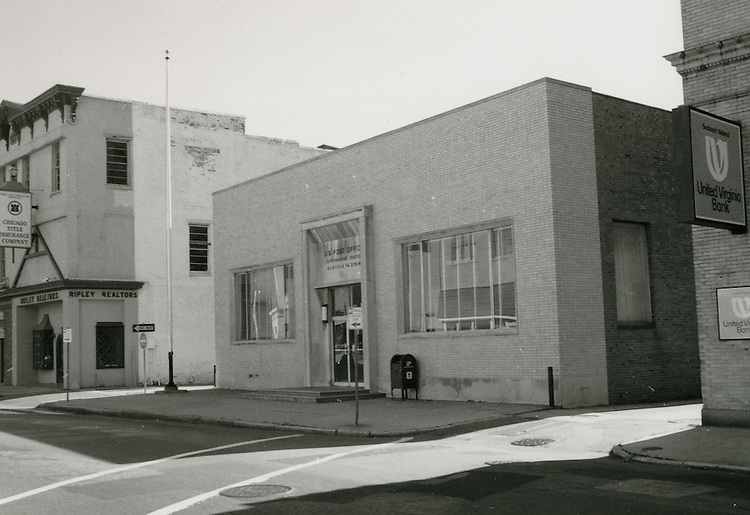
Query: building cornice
x,y
711,55
14,117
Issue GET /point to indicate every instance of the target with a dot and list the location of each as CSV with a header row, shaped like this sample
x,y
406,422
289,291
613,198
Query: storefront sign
x,y
708,159
342,260
15,219
102,294
39,298
734,313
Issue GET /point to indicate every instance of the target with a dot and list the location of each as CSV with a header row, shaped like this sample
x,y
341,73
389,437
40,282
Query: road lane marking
x,y
132,466
182,505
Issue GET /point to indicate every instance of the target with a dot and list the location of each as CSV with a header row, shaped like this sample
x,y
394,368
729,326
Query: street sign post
x,y
354,324
67,338
143,340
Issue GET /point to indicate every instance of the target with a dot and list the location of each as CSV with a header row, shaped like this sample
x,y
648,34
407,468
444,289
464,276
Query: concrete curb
x,y
271,426
274,426
618,451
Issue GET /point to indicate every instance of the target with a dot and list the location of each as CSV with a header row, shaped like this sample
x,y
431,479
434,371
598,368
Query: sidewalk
x,y
377,417
704,447
719,448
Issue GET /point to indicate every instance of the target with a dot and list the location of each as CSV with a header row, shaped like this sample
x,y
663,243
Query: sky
x,y
336,71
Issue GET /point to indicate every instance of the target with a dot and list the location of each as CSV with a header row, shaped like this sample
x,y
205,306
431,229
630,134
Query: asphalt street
x,y
93,464
599,486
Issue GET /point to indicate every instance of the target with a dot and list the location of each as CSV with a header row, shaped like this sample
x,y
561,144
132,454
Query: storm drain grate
x,y
254,490
532,442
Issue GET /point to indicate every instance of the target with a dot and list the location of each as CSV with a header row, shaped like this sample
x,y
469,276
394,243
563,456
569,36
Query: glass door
x,y
347,345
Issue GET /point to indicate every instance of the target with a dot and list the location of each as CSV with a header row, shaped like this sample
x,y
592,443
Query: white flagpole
x,y
170,385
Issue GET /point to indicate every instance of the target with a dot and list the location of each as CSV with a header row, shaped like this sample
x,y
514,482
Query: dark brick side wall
x,y
636,183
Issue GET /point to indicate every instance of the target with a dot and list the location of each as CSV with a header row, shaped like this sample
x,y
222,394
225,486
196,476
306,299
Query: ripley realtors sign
x,y
708,161
15,219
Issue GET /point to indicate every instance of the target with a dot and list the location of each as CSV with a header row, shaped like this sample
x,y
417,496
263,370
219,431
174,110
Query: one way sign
x,y
144,328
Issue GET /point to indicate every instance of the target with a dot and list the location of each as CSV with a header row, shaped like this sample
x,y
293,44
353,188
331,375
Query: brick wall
x,y
486,161
721,258
636,184
708,21
583,366
528,155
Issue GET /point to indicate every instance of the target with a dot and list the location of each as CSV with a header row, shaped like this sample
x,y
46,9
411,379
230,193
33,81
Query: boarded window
x,y
632,282
110,345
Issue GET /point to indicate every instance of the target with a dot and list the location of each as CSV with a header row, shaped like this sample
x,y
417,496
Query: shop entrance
x,y
346,337
60,360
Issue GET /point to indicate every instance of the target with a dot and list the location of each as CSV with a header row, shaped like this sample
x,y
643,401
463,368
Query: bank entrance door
x,y
347,346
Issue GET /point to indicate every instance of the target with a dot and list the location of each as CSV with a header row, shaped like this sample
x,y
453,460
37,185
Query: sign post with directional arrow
x,y
143,341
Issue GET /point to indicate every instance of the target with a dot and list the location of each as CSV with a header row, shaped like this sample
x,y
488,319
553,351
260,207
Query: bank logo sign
x,y
708,163
741,306
717,158
734,313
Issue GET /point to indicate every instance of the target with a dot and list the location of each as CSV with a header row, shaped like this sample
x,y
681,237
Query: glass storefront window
x,y
462,282
265,304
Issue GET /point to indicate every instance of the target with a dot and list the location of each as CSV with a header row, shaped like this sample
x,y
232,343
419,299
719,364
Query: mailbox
x,y
404,375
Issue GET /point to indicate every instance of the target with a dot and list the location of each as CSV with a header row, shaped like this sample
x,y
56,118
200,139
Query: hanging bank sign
x,y
708,162
734,313
15,219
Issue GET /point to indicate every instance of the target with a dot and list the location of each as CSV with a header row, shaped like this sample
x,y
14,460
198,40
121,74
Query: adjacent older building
x,y
96,260
715,68
523,248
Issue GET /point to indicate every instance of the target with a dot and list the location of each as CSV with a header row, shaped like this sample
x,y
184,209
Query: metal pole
x,y
144,370
551,386
170,385
356,379
67,373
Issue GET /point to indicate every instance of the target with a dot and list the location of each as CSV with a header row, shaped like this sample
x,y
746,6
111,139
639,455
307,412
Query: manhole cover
x,y
532,442
254,490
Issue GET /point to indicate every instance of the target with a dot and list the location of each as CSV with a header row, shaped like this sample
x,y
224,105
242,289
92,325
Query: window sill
x,y
261,342
459,334
629,326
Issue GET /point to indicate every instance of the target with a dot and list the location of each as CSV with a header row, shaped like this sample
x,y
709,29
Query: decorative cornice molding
x,y
711,55
14,117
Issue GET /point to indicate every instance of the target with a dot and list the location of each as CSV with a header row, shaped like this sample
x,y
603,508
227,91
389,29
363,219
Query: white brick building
x,y
96,170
